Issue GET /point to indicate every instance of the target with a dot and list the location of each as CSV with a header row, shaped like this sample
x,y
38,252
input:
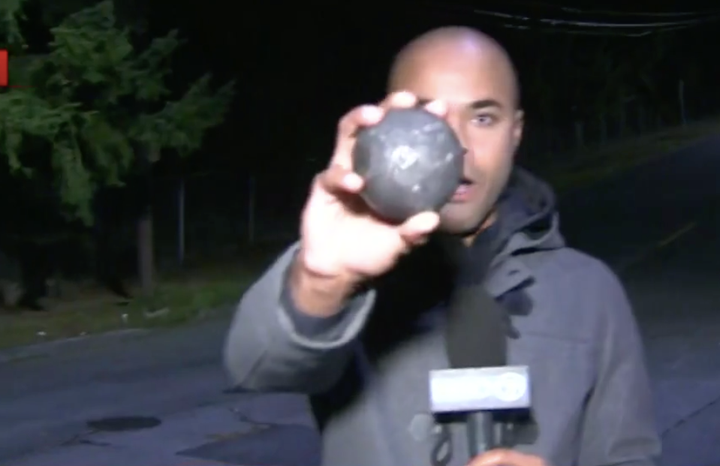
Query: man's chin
x,y
460,225
464,220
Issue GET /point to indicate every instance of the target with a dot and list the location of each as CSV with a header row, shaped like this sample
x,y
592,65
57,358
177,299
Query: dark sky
x,y
299,66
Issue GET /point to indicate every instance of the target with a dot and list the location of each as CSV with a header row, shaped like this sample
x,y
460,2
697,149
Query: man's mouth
x,y
464,191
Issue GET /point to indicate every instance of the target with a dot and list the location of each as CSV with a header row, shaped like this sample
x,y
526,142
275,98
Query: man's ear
x,y
518,126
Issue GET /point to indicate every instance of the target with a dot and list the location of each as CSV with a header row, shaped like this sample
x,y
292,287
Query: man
x,y
319,323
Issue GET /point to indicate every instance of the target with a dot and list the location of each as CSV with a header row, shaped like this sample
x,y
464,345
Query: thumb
x,y
416,229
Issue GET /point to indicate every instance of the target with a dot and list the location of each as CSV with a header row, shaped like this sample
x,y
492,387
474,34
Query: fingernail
x,y
371,113
404,97
352,180
436,106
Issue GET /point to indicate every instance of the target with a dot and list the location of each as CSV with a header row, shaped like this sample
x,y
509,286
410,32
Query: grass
x,y
196,293
202,291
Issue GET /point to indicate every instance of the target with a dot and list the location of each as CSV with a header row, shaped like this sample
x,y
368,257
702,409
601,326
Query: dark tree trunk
x,y
146,256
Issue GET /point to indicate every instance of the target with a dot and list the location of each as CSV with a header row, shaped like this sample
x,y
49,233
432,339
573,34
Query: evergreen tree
x,y
97,104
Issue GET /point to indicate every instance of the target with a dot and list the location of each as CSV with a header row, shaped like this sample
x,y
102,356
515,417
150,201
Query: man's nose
x,y
459,133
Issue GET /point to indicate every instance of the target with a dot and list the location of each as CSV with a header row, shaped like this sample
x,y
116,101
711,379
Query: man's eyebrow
x,y
485,103
476,105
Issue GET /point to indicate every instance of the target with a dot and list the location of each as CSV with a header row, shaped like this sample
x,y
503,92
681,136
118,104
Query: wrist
x,y
316,294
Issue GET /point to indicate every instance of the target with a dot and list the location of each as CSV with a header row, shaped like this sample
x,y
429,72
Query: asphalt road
x,y
658,225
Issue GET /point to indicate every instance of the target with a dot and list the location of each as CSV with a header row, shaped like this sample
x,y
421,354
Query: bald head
x,y
473,75
453,43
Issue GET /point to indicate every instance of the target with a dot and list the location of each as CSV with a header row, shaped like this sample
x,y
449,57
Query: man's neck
x,y
489,220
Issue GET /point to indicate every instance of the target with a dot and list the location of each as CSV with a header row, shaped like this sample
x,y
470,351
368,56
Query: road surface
x,y
658,225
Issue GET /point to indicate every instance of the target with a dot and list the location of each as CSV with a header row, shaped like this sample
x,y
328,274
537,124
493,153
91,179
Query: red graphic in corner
x,y
4,72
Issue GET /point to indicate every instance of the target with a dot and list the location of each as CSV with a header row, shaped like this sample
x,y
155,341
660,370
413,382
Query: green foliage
x,y
10,14
99,104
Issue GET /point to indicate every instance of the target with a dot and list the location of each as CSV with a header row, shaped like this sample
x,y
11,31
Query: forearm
x,y
316,295
271,347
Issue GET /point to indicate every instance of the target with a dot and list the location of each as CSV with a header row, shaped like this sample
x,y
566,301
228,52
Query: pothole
x,y
123,423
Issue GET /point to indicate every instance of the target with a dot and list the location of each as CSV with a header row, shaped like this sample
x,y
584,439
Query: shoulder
x,y
564,267
576,293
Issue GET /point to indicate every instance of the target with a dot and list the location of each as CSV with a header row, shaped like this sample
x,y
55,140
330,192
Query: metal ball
x,y
411,161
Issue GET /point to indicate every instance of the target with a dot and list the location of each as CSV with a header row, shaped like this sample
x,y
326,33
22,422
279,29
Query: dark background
x,y
590,75
300,67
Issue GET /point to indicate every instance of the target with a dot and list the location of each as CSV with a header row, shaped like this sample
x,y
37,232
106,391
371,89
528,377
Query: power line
x,y
591,24
596,32
572,26
584,11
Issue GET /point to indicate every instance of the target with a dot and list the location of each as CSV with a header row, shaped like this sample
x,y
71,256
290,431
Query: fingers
x,y
503,457
438,107
416,229
337,179
405,99
402,99
365,115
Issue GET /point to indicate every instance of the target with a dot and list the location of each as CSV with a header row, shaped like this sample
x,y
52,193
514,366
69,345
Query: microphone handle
x,y
480,432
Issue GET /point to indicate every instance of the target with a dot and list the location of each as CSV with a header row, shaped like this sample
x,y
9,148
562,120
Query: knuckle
x,y
349,122
342,124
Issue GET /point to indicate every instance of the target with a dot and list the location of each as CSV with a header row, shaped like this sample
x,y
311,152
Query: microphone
x,y
477,393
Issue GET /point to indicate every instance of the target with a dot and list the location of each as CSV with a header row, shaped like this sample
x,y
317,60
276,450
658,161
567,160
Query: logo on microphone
x,y
510,387
478,389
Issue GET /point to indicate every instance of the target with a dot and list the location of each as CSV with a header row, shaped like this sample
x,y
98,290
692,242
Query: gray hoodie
x,y
366,370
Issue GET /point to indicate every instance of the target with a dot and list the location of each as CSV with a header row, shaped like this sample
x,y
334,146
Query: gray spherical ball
x,y
411,161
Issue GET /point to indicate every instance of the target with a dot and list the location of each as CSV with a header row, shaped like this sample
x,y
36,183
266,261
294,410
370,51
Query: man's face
x,y
480,92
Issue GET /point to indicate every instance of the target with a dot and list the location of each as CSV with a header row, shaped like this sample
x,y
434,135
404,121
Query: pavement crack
x,y
691,416
78,438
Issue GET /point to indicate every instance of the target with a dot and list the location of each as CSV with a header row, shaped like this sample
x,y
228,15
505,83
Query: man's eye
x,y
484,119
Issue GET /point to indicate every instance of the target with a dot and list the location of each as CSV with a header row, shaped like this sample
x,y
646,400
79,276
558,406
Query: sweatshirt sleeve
x,y
271,345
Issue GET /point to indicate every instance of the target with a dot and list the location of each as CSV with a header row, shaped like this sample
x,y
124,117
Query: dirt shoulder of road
x,y
597,163
203,291
198,292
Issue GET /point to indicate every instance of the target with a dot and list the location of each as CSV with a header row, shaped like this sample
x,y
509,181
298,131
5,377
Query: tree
x,y
96,105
